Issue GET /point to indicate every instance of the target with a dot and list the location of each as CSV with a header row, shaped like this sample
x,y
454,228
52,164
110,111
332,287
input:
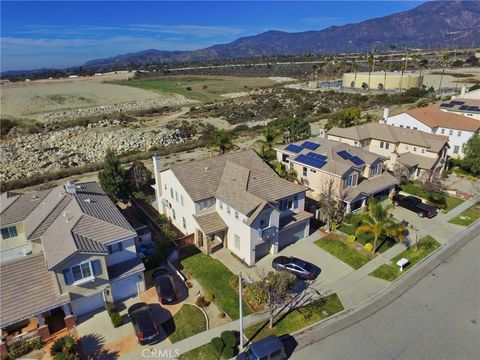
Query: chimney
x,y
156,172
386,115
321,133
462,93
70,187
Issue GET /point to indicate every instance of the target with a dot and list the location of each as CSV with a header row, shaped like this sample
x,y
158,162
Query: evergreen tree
x,y
113,177
138,176
472,155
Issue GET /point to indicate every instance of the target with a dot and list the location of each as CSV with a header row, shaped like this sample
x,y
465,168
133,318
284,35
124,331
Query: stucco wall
x,y
129,252
393,81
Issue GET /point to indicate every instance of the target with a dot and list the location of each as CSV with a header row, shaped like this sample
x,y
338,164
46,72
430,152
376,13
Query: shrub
x,y
208,297
23,347
228,352
438,199
200,301
351,239
368,247
217,345
229,338
116,318
189,88
65,348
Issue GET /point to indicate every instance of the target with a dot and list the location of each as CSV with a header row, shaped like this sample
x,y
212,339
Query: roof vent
x,y
206,168
70,187
35,197
88,200
67,216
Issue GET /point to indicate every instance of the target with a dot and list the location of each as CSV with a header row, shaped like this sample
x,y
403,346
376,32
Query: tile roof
x,y
28,288
249,179
371,186
210,222
391,134
294,218
434,117
463,105
423,162
125,269
20,206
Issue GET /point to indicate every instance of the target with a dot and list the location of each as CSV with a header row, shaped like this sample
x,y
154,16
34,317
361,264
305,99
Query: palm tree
x,y
375,51
445,58
379,222
355,68
270,137
385,69
370,66
422,64
392,48
223,141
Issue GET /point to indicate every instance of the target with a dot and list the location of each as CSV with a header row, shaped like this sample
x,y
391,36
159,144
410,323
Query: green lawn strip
x,y
204,352
215,278
390,272
367,238
414,189
467,217
188,321
342,251
297,319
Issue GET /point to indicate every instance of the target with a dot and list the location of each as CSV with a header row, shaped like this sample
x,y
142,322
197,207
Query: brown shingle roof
x,y
21,206
434,117
28,288
210,223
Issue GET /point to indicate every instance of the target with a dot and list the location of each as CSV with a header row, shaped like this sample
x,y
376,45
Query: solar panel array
x,y
311,161
310,145
454,102
447,105
356,160
317,156
345,155
294,148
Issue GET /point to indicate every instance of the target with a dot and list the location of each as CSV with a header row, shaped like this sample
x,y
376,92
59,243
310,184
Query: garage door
x,y
262,250
88,304
289,236
125,288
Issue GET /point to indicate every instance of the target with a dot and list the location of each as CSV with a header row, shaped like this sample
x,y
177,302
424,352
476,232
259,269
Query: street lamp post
x,y
241,309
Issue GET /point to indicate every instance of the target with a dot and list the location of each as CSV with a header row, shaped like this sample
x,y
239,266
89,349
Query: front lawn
x,y
414,189
383,243
467,217
390,272
187,322
297,319
342,250
205,352
215,278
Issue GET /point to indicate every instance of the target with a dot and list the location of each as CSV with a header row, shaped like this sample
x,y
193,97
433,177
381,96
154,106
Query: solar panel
x,y
356,160
463,107
473,108
317,156
310,161
445,105
453,102
344,154
294,148
310,145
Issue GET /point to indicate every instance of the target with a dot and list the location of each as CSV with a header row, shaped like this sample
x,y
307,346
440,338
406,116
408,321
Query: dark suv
x,y
416,205
300,268
146,329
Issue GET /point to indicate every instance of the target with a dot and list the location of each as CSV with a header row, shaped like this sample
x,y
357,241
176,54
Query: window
x,y
229,210
304,171
355,143
313,171
82,271
375,170
9,232
184,222
285,157
414,149
165,186
181,199
291,165
171,193
418,172
289,203
264,220
401,126
381,144
173,214
442,131
236,242
115,247
450,132
295,201
408,127
221,204
236,214
406,147
415,128
176,196
456,148
206,203
387,145
459,133
347,182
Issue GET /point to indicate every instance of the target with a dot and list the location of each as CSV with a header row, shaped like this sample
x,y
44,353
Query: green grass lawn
x,y
384,244
189,321
215,278
414,189
467,217
298,318
204,352
343,251
390,272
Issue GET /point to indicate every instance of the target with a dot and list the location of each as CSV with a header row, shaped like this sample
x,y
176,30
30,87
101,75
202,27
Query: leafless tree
x,y
330,203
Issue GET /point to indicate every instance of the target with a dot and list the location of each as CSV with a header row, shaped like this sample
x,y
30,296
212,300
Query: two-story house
x,y
349,173
421,155
465,106
432,120
66,250
234,201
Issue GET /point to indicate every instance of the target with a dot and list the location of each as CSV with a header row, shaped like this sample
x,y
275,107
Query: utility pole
x,y
241,309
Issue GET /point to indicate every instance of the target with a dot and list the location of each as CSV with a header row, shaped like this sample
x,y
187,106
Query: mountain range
x,y
431,25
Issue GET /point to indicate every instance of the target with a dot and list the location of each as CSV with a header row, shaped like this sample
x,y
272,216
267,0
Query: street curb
x,y
384,297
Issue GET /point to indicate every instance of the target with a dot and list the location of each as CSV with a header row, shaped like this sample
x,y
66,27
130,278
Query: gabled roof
x,y
434,117
242,180
392,134
371,186
411,160
210,222
28,288
19,207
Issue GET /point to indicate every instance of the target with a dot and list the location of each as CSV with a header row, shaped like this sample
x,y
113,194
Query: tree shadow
x,y
290,344
92,347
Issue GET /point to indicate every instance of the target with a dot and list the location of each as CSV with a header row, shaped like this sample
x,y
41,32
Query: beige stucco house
x,y
350,173
234,201
421,155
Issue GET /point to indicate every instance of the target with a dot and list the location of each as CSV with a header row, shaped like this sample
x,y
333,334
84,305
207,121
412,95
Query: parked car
x,y
146,329
270,348
165,286
416,205
300,268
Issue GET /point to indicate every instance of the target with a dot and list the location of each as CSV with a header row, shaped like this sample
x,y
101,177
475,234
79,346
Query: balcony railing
x,y
267,233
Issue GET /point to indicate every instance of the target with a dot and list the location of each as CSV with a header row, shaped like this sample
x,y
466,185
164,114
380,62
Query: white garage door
x,y
125,288
289,236
88,304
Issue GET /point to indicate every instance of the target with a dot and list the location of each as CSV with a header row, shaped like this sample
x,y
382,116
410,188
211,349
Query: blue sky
x,y
59,34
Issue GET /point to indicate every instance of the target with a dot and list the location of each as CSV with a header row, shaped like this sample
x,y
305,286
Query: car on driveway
x,y
146,330
415,204
300,268
165,287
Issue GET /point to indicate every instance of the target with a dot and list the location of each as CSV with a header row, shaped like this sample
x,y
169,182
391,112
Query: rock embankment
x,y
132,106
40,153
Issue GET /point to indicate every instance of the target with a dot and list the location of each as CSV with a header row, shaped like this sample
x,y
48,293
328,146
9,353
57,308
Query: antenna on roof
x,y
66,216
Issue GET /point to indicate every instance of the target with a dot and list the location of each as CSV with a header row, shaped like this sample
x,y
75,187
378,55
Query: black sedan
x,y
300,268
146,329
165,286
416,205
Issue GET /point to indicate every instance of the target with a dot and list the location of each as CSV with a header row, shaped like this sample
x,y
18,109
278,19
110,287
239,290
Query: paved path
x,y
431,313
